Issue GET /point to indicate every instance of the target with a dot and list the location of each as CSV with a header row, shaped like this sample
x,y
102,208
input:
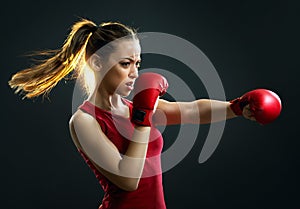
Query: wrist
x,y
141,134
142,128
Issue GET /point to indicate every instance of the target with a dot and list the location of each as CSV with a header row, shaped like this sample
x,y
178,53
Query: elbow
x,y
130,185
131,188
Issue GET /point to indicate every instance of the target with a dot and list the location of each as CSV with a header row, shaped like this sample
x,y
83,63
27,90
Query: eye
x,y
125,64
138,64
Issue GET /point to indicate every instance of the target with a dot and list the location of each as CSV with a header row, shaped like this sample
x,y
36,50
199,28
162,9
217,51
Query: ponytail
x,y
43,76
84,39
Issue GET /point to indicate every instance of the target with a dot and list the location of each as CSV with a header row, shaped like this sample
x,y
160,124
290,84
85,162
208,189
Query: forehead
x,y
127,48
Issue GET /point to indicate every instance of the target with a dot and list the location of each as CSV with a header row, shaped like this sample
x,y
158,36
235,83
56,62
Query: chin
x,y
124,94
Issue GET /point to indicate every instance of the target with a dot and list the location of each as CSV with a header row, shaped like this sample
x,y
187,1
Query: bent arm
x,y
202,111
123,170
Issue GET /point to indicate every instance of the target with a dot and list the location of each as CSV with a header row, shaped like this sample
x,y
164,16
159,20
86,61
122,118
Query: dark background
x,y
252,44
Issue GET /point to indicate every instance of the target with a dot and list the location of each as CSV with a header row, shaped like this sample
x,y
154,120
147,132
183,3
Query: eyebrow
x,y
131,59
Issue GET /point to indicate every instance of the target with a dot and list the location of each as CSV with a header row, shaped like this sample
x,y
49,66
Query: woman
x,y
117,137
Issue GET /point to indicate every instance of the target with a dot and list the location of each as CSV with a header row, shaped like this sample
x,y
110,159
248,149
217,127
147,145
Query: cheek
x,y
118,75
115,76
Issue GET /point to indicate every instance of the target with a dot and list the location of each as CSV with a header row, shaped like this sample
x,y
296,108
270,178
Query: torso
x,y
149,194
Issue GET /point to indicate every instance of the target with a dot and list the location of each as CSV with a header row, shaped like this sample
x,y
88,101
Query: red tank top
x,y
149,194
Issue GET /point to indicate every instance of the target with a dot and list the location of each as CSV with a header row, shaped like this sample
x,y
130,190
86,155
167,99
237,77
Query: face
x,y
125,61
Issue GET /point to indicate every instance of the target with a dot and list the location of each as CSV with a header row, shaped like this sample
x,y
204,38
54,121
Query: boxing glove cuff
x,y
237,105
142,117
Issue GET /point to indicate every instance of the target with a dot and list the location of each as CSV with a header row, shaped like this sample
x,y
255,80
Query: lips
x,y
130,84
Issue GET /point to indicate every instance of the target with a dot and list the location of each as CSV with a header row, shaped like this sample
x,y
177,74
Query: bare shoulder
x,y
81,121
163,104
174,112
167,106
167,113
79,117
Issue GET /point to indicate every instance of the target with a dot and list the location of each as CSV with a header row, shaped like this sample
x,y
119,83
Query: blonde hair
x,y
84,39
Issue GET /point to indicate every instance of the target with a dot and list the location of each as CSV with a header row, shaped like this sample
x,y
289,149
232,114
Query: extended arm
x,y
198,111
260,105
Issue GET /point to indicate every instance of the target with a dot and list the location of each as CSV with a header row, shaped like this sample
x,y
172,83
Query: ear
x,y
95,62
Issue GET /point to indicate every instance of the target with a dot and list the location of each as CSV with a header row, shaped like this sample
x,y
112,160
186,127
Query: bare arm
x,y
198,111
124,171
211,111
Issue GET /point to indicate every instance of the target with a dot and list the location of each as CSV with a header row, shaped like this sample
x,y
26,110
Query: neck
x,y
105,100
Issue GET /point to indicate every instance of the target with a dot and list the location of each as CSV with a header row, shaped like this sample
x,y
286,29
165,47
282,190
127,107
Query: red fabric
x,y
118,129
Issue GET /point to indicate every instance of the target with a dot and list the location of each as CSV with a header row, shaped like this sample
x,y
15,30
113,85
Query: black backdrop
x,y
252,44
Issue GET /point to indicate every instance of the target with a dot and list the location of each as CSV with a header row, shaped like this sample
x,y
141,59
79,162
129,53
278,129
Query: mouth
x,y
129,84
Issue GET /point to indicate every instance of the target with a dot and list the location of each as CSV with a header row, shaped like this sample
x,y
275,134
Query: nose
x,y
134,72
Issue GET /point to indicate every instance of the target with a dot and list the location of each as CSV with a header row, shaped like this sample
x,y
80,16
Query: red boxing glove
x,y
264,104
148,87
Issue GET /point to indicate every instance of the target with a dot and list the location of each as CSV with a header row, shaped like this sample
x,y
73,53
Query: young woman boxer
x,y
115,136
